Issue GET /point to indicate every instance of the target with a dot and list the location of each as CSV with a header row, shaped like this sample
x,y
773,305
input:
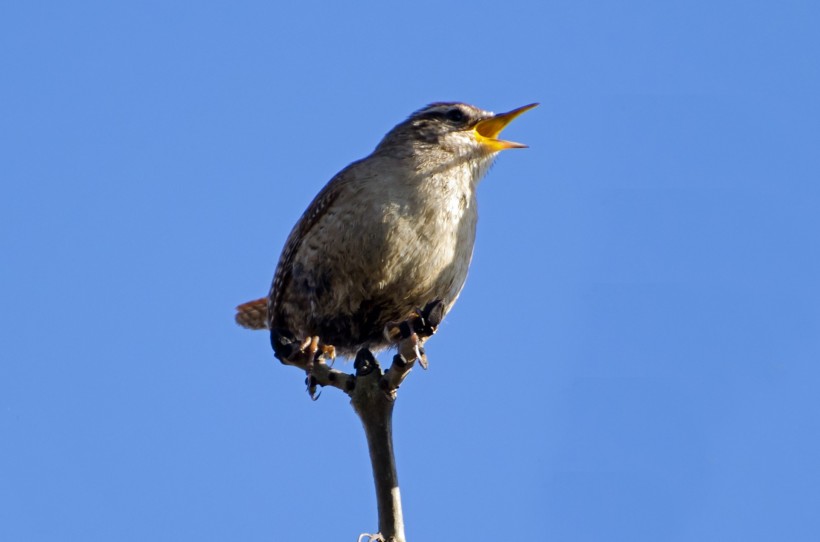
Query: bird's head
x,y
455,128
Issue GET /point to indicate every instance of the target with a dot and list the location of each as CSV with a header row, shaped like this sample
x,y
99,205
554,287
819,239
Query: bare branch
x,y
375,409
373,394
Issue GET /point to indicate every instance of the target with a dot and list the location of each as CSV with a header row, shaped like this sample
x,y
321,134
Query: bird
x,y
388,234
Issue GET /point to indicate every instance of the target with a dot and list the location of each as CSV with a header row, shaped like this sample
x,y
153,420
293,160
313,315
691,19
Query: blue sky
x,y
634,356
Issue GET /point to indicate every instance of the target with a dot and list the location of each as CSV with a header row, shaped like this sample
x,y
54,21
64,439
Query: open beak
x,y
486,131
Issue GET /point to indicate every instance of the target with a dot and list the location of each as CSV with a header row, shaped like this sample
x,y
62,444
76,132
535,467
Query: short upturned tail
x,y
253,314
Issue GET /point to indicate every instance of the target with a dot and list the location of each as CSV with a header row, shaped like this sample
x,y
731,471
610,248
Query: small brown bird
x,y
387,235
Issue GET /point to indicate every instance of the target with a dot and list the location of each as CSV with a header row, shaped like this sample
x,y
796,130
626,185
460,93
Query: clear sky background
x,y
635,354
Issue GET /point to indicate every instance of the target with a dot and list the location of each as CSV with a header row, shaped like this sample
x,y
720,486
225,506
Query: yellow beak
x,y
486,131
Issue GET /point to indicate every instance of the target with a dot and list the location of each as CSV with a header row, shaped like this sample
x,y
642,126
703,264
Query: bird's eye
x,y
455,115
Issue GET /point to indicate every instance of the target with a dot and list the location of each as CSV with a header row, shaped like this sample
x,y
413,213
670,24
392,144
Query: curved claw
x,y
311,384
422,357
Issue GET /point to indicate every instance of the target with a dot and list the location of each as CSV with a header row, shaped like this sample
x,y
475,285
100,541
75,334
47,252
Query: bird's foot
x,y
305,354
409,335
315,353
309,352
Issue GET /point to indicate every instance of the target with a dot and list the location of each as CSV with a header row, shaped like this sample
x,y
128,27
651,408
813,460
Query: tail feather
x,y
253,314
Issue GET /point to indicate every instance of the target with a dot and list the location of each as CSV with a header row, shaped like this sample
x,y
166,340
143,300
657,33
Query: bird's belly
x,y
431,254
